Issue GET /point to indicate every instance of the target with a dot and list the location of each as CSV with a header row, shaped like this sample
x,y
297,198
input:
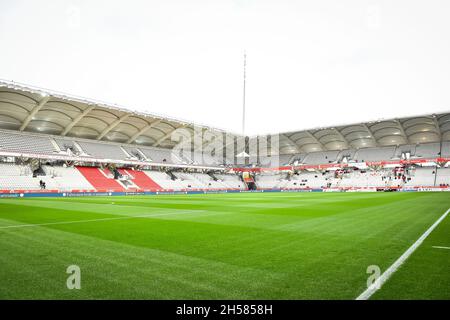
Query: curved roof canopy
x,y
392,132
26,108
31,109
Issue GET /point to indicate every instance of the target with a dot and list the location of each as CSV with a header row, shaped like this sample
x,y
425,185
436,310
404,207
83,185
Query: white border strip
x,y
387,274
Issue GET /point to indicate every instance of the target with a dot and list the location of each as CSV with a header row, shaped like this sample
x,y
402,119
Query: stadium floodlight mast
x,y
243,95
243,154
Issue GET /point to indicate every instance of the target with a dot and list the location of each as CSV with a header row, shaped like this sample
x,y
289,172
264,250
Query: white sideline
x,y
94,220
387,274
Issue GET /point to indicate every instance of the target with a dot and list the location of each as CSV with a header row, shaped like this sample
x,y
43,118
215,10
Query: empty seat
x,y
427,150
160,155
231,181
285,159
64,144
374,154
99,180
102,150
445,152
25,143
164,180
443,176
20,177
321,157
67,178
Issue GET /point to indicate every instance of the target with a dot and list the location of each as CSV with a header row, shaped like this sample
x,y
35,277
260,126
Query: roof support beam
x,y
33,112
438,127
291,141
371,134
402,130
316,140
342,137
144,130
77,119
168,134
112,126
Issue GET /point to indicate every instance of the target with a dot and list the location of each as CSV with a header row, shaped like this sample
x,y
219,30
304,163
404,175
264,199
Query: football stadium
x,y
224,158
148,207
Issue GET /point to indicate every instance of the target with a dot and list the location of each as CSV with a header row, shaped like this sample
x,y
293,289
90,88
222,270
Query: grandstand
x,y
80,145
247,233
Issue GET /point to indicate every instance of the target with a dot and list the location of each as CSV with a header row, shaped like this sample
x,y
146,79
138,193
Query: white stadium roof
x,y
31,109
381,133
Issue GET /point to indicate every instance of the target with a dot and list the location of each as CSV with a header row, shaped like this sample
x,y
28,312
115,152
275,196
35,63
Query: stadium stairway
x,y
99,180
141,180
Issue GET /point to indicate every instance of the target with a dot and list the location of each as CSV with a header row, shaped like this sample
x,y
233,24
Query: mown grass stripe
x,y
99,220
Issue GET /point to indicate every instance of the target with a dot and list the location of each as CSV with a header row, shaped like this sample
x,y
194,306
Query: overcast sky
x,y
310,63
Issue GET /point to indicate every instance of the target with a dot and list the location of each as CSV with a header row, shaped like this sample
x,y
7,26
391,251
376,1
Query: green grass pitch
x,y
223,246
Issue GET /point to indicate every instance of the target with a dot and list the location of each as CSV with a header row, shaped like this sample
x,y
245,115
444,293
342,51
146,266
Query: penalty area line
x,y
388,273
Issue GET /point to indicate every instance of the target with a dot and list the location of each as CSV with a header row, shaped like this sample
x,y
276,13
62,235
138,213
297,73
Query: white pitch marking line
x,y
92,220
388,273
438,247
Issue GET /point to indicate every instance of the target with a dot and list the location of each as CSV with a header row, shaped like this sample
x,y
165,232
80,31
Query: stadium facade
x,y
53,143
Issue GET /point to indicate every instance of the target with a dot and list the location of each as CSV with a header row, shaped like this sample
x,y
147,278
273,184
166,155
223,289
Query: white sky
x,y
310,63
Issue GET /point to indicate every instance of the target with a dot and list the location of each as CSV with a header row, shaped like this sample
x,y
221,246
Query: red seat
x,y
99,180
140,179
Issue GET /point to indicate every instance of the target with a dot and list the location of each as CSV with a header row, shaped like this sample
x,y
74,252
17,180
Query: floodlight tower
x,y
244,153
243,95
